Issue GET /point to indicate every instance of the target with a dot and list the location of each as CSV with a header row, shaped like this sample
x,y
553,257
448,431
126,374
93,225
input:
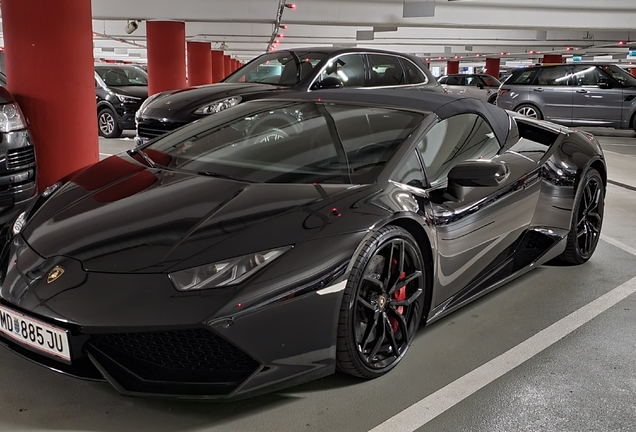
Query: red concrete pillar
x,y
492,67
166,55
199,63
633,71
228,65
452,67
552,59
37,36
218,66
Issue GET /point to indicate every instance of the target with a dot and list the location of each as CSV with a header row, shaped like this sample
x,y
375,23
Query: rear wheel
x,y
634,122
107,124
530,111
587,220
382,304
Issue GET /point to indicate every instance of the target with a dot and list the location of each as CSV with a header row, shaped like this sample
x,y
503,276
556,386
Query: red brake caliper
x,y
399,294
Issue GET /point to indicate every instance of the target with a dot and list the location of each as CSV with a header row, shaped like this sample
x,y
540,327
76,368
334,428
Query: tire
x,y
587,220
374,299
107,124
634,122
529,111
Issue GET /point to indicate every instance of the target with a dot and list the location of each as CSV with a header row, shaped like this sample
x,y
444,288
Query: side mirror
x,y
604,83
328,83
475,173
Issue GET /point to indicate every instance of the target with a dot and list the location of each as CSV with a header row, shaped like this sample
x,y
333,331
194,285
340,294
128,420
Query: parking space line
x,y
422,412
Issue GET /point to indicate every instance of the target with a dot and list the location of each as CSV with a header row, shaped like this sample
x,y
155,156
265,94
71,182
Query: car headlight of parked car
x,y
218,106
223,273
11,118
127,99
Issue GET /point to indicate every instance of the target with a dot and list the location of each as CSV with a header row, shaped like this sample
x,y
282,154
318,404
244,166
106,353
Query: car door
x,y
595,100
554,94
456,84
477,232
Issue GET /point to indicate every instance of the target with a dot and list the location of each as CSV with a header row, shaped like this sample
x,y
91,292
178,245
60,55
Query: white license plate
x,y
40,336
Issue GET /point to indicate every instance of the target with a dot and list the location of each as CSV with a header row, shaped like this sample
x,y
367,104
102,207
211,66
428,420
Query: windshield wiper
x,y
144,156
224,176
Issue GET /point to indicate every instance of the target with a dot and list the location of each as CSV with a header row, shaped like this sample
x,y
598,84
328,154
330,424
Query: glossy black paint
x,y
106,98
174,109
283,320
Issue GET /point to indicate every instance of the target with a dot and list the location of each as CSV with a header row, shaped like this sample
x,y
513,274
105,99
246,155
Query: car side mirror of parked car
x,y
604,83
328,83
475,173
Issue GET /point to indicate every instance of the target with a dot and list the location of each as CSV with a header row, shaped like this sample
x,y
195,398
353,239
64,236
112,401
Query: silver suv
x,y
573,95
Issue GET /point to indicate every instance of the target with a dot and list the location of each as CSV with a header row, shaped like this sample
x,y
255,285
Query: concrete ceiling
x,y
469,30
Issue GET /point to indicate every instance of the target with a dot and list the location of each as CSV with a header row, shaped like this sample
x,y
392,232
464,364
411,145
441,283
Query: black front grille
x,y
152,128
194,355
20,157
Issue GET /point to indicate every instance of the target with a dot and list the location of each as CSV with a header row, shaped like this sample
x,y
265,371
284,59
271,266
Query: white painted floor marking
x,y
422,412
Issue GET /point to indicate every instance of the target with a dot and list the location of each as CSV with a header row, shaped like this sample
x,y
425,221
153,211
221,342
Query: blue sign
x,y
577,58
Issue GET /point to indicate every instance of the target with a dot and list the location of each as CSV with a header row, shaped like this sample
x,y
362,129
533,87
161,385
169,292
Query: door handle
x,y
538,90
581,91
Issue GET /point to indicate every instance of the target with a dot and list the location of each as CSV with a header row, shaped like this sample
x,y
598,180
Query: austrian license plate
x,y
40,336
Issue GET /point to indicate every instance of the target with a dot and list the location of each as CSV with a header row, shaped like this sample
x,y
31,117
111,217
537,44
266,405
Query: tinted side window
x,y
455,80
587,75
442,80
524,77
347,68
554,76
413,73
385,71
459,138
474,81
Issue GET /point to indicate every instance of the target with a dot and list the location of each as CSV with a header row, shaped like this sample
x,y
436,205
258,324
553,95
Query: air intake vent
x,y
22,157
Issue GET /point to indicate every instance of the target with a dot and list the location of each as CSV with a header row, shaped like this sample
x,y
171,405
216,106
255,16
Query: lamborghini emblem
x,y
55,274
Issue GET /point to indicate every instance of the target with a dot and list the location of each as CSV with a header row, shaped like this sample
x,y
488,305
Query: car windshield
x,y
122,76
620,75
286,68
490,81
288,142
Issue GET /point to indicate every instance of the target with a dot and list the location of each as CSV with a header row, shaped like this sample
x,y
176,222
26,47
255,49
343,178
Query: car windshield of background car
x,y
123,76
289,142
285,68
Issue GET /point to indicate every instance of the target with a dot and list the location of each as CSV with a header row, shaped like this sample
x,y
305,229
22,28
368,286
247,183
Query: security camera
x,y
131,26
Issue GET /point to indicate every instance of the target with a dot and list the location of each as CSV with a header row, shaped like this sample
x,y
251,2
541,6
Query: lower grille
x,y
20,158
194,355
153,129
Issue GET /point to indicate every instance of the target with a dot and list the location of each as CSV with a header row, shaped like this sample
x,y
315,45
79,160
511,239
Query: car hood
x,y
135,91
119,216
188,100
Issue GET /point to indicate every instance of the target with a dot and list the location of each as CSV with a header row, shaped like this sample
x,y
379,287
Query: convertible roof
x,y
444,106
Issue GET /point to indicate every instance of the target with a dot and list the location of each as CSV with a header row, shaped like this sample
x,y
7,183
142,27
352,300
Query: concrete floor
x,y
551,351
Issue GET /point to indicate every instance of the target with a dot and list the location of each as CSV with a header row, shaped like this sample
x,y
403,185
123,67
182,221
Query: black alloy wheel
x,y
107,124
382,305
587,220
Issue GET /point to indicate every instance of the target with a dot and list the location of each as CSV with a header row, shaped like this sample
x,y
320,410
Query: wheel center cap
x,y
382,302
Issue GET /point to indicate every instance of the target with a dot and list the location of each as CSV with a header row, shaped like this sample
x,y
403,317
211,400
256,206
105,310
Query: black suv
x,y
300,70
120,90
17,159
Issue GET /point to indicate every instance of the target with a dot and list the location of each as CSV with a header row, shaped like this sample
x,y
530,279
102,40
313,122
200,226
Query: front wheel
x,y
529,111
107,124
587,220
382,304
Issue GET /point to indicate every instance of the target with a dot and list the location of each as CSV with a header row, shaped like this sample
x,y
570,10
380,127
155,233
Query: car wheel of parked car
x,y
530,111
634,122
587,219
107,124
382,304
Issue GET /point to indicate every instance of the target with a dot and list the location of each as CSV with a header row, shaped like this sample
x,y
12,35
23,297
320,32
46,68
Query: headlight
x,y
218,106
11,118
19,223
224,273
127,99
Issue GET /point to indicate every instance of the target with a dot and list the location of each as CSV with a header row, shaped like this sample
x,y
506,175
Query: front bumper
x,y
158,342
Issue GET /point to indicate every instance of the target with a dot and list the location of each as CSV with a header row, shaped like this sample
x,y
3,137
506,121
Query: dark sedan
x,y
302,70
231,258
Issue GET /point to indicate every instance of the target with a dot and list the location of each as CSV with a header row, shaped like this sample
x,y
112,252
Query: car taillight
x,y
502,91
11,118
